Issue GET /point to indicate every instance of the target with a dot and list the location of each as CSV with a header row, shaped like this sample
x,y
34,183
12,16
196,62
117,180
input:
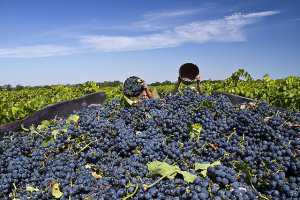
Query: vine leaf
x,y
48,140
129,101
72,119
56,193
44,125
170,171
96,175
188,177
163,169
204,166
31,189
195,131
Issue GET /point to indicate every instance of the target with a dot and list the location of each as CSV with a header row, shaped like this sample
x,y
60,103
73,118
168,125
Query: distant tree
x,y
7,87
19,87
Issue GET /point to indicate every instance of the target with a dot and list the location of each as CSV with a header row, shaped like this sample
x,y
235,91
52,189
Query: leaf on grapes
x,y
244,167
201,166
55,133
96,175
56,193
31,189
88,166
188,177
204,166
33,130
72,119
204,173
163,169
205,104
48,140
216,163
170,171
129,101
195,131
44,125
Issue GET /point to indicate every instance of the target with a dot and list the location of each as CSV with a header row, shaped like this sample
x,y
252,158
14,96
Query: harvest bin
x,y
65,108
61,109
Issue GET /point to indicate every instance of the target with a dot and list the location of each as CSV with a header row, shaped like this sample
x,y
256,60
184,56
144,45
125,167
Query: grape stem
x,y
158,180
132,194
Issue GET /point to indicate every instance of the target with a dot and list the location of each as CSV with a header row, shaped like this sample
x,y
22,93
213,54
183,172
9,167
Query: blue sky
x,y
54,41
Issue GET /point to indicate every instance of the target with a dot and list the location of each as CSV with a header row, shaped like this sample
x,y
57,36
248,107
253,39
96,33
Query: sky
x,y
67,41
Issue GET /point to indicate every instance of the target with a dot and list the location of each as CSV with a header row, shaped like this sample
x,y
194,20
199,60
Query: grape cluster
x,y
222,175
105,154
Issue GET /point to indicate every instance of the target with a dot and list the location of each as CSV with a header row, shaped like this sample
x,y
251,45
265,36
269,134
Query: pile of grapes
x,y
183,146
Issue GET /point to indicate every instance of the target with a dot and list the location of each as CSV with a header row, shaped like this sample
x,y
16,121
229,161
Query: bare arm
x,y
199,86
147,91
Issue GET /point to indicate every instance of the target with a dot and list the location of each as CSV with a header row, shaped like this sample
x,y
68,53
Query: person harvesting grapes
x,y
188,75
136,89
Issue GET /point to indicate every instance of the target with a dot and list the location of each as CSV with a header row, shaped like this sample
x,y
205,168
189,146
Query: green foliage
x,y
56,193
163,169
72,119
166,170
204,166
31,189
195,131
17,103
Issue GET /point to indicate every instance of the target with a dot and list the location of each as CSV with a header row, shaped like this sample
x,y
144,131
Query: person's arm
x,y
147,91
177,85
199,86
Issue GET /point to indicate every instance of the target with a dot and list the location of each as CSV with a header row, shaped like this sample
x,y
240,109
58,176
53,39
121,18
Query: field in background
x,y
17,103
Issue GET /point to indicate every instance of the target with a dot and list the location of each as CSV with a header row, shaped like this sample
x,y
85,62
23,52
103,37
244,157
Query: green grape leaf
x,y
163,169
44,125
129,101
204,173
31,189
14,110
55,133
48,140
170,171
72,119
195,131
188,177
56,193
204,166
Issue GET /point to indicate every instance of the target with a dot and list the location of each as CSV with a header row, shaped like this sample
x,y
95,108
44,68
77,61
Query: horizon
x,y
54,42
149,83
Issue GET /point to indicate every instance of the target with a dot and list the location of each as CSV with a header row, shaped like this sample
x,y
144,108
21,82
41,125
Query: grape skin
x,y
124,140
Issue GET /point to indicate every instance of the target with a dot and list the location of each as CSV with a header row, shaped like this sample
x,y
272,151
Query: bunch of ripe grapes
x,y
105,154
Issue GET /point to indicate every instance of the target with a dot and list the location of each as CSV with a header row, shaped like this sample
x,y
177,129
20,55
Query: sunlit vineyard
x,y
17,103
